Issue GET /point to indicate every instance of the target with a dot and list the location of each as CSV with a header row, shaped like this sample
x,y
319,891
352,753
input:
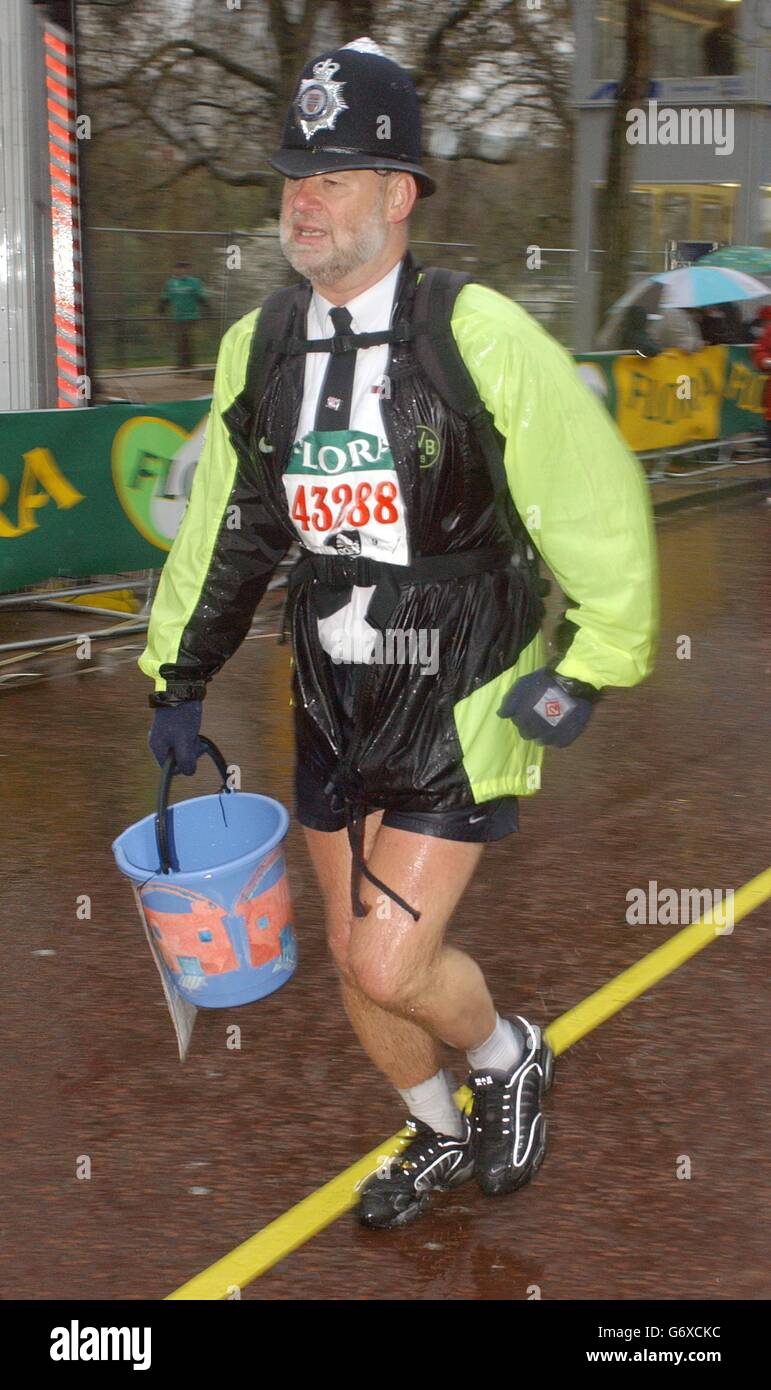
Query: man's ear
x,y
402,195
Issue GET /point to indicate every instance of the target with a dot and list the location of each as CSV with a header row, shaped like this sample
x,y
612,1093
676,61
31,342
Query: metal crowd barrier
x,y
54,600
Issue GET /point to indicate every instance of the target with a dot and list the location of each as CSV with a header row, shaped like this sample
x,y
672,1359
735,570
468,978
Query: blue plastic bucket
x,y
221,915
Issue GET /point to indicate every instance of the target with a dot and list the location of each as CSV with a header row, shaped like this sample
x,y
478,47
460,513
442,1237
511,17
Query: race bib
x,y
344,497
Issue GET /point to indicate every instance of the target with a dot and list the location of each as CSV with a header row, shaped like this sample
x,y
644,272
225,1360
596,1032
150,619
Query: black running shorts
x,y
318,809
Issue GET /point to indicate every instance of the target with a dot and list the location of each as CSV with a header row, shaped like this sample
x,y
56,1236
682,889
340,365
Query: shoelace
x,y
494,1107
422,1155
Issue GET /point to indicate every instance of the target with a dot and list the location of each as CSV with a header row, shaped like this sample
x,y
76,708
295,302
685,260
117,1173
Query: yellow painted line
x,y
274,1242
631,983
282,1236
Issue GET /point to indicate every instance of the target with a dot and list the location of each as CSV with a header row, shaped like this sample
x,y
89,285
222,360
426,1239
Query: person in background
x,y
761,357
678,329
721,323
634,336
185,293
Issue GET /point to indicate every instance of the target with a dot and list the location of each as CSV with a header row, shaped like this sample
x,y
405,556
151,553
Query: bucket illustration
x,y
210,876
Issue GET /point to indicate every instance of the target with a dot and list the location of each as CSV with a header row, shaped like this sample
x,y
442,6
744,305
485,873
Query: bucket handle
x,y
169,769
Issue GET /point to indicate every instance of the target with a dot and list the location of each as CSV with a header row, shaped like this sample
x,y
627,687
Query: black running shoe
x,y
431,1162
509,1127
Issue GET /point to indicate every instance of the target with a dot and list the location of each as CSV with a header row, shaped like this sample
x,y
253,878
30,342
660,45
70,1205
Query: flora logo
x,y
690,125
153,462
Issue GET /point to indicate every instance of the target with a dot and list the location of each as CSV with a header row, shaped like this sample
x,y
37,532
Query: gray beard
x,y
366,246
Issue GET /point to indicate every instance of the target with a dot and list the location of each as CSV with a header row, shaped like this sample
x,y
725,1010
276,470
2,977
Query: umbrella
x,y
691,288
753,260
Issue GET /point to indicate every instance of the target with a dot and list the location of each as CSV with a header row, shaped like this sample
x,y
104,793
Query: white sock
x,y
431,1101
502,1050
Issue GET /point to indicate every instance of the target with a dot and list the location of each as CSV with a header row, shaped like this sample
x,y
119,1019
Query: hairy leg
x,y
386,1038
404,990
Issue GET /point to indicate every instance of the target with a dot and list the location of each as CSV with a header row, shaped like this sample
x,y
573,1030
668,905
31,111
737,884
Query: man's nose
x,y
303,194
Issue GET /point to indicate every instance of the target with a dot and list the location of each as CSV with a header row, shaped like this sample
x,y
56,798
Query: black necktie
x,y
334,407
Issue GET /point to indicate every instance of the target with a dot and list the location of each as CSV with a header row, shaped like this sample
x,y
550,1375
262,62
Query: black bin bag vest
x,y
461,524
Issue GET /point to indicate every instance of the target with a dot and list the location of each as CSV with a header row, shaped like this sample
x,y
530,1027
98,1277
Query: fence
x,y
129,266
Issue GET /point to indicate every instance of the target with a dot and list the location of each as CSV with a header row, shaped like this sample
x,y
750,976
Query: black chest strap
x,y
335,572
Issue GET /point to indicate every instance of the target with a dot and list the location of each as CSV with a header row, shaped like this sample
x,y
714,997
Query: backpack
x,y
439,358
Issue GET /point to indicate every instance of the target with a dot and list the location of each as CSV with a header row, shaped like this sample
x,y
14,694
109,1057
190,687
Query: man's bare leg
x,y
404,990
386,1039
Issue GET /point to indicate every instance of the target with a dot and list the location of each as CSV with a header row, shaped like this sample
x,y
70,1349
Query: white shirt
x,y
343,484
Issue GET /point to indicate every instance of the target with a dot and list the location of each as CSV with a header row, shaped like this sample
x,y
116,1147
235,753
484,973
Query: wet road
x,y
669,784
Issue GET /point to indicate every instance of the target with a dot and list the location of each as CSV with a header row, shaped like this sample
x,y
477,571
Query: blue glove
x,y
175,729
549,708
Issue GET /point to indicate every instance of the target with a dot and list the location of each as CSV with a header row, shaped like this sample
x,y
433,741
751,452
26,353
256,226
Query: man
x,y
634,335
185,293
405,768
677,329
720,323
761,356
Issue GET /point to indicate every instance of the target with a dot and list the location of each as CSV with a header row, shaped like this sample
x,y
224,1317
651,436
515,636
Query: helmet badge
x,y
319,99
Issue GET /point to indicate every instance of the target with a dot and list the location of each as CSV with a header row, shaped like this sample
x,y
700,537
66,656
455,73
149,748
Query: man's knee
x,y
391,976
376,972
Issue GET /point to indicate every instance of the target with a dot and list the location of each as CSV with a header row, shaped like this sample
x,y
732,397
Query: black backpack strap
x,y
439,355
435,294
274,321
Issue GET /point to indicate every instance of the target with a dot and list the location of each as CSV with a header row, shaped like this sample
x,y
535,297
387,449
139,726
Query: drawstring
x,y
356,808
355,817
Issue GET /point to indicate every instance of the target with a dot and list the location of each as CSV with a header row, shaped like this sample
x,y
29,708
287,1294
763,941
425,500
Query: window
x,y
690,38
711,221
678,212
676,217
688,212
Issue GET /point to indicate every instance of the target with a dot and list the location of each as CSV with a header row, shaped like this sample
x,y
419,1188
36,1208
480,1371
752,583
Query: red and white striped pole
x,y
65,217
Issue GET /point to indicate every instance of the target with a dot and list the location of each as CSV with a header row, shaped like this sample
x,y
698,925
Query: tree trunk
x,y
616,215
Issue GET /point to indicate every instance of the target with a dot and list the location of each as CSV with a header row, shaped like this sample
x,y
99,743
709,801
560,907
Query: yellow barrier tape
x,y
274,1242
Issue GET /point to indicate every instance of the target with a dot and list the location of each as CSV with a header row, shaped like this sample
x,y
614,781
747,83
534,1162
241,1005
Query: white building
x,y
701,144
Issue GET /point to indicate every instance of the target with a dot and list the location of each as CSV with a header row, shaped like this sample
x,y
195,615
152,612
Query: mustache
x,y
294,223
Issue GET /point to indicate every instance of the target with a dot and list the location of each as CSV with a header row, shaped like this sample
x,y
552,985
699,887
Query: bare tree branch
x,y
187,48
250,179
429,69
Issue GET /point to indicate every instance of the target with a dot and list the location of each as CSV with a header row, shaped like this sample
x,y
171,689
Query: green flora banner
x,y
93,491
101,490
677,397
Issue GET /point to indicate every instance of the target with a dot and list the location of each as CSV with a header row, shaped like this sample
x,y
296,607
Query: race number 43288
x,y
318,507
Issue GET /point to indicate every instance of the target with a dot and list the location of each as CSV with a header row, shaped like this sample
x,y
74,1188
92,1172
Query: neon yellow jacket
x,y
577,487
